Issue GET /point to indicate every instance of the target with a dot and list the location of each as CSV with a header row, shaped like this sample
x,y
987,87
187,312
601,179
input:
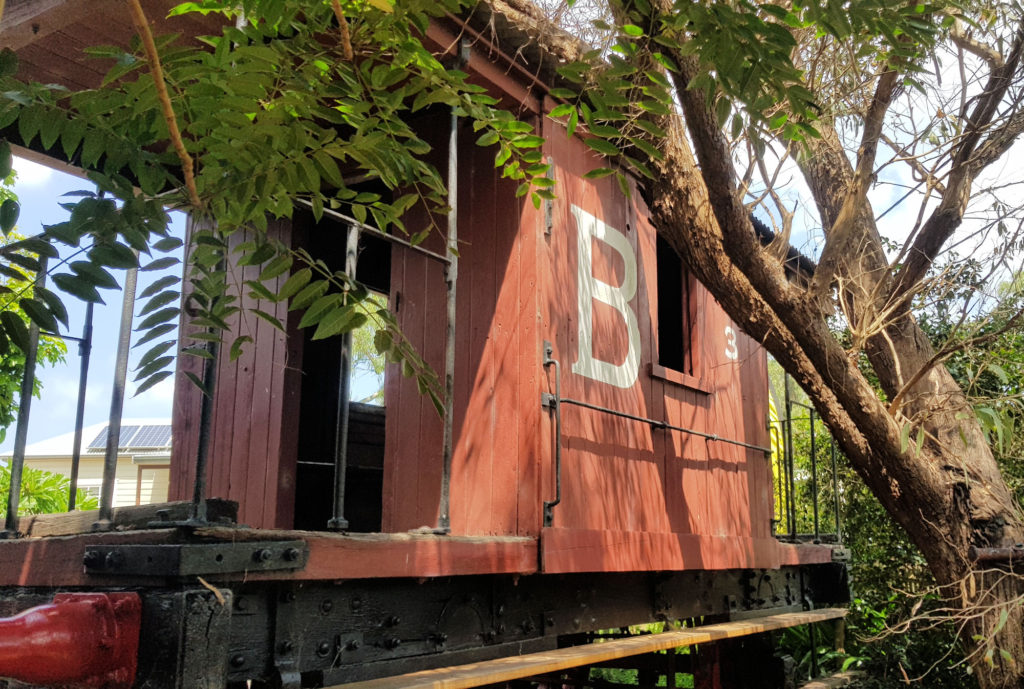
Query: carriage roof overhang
x,y
514,46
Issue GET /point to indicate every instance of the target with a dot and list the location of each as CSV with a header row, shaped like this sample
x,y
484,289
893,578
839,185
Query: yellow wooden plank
x,y
517,667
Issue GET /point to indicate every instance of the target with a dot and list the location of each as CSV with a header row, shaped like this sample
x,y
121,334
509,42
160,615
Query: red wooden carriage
x,y
607,463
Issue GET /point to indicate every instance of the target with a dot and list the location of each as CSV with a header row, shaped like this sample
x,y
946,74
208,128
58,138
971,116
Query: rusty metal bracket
x,y
188,559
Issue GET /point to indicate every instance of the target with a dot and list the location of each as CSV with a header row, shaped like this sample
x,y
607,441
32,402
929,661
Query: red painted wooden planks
x,y
248,462
606,550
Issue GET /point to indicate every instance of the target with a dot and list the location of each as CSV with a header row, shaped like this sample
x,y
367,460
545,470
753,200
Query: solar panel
x,y
153,436
100,442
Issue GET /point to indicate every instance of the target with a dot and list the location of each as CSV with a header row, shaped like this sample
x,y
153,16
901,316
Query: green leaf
x,y
603,147
158,317
154,352
487,138
1004,614
156,332
280,265
78,287
153,380
598,173
54,303
94,274
197,382
114,255
561,110
158,286
632,30
236,346
15,329
161,263
9,211
161,299
319,309
308,294
39,313
335,322
8,64
6,157
269,319
905,437
294,283
167,244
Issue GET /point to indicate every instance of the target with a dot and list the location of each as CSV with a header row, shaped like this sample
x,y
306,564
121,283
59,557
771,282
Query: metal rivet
x,y
241,603
292,554
392,621
237,660
326,606
323,648
286,647
392,643
352,645
262,555
92,558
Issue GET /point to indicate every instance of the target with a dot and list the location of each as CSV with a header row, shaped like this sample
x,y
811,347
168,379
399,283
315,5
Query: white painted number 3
x,y
730,343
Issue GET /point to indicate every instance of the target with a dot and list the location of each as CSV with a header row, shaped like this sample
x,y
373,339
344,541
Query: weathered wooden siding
x,y
495,460
252,450
637,497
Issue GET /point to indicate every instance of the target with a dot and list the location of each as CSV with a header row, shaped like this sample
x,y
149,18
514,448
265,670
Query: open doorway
x,y
319,398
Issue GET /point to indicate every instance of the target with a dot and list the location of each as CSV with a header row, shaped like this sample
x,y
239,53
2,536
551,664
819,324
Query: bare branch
x,y
949,214
843,231
978,49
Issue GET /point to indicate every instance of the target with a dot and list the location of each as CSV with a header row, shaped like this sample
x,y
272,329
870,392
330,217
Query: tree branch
x,y
156,69
944,220
841,236
343,29
978,49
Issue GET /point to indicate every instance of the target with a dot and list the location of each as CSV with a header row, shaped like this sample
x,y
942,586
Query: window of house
x,y
674,320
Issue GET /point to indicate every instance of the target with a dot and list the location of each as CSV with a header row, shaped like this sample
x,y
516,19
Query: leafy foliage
x,y
16,293
43,492
273,115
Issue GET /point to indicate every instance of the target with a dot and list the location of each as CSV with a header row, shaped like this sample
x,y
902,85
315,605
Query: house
x,y
143,459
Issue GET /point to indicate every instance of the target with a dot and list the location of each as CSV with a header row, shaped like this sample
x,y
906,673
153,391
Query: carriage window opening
x,y
674,325
320,387
366,381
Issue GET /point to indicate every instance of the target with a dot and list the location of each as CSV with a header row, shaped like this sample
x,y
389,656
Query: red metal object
x,y
79,640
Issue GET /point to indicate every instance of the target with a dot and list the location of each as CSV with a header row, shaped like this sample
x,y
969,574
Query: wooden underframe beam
x,y
518,667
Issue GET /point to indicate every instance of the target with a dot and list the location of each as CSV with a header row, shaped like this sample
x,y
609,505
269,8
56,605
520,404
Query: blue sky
x,y
39,190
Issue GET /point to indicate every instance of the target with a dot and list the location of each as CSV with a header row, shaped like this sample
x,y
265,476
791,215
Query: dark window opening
x,y
319,401
674,325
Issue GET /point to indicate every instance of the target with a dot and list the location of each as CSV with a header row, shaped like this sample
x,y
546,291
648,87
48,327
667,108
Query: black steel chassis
x,y
205,630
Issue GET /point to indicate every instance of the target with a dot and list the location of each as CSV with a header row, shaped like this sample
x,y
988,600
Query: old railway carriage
x,y
606,461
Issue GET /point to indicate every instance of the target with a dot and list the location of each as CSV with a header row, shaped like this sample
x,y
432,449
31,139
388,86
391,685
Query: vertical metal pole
x,y
104,522
451,278
814,479
84,351
21,430
790,477
338,522
835,494
205,428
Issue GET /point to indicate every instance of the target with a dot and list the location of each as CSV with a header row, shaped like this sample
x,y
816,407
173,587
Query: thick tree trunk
x,y
947,496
